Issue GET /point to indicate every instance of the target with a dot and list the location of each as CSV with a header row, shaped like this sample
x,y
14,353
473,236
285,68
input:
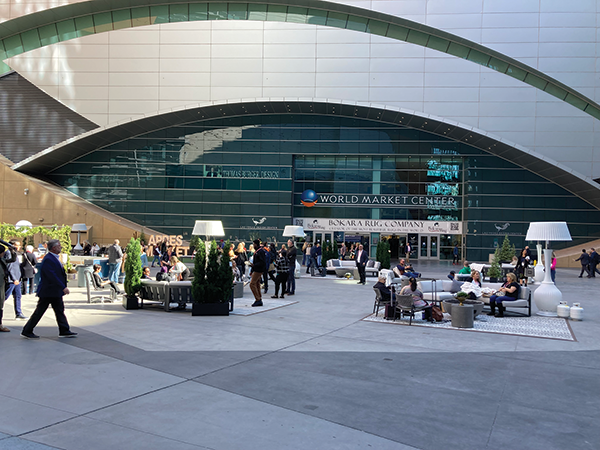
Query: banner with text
x,y
379,226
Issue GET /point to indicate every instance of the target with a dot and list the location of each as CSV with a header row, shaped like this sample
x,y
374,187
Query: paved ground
x,y
308,376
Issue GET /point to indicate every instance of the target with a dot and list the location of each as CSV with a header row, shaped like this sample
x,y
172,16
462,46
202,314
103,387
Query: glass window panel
x,y
198,11
178,13
417,37
576,101
66,30
381,28
498,65
296,15
316,17
31,40
556,91
103,22
140,16
13,46
257,12
357,23
48,34
535,81
478,57
121,19
517,73
84,26
159,14
337,20
250,185
237,11
438,43
276,13
458,50
217,11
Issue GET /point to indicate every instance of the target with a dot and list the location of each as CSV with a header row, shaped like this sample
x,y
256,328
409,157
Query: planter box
x,y
130,302
210,309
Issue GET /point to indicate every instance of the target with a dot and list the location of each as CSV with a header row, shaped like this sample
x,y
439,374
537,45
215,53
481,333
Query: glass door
x,y
429,247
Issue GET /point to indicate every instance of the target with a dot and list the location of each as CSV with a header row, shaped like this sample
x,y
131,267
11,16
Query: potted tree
x,y
133,274
495,271
212,283
383,253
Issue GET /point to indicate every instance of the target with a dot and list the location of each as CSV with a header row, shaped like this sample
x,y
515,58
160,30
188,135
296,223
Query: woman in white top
x,y
179,269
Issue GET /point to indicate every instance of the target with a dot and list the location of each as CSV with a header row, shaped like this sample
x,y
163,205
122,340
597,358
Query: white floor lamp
x,y
547,296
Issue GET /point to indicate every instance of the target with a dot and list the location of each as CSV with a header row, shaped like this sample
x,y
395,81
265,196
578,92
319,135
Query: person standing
x,y
292,254
553,267
584,258
115,258
343,251
52,288
283,270
259,266
28,270
594,261
361,264
13,277
3,271
455,255
313,260
319,253
407,250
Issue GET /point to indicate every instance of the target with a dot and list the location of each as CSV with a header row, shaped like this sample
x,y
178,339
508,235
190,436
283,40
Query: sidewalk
x,y
311,375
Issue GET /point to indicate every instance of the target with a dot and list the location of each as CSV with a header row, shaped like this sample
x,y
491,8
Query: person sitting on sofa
x,y
404,279
146,273
409,271
509,292
417,296
99,284
179,269
386,294
466,270
452,275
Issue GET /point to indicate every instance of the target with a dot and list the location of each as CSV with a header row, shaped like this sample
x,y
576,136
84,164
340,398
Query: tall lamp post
x,y
547,296
79,228
293,231
208,229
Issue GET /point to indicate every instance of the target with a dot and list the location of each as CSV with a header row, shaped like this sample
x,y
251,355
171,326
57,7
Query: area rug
x,y
534,326
243,306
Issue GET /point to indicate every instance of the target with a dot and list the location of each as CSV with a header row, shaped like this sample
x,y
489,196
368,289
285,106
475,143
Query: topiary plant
x,y
133,267
495,270
383,254
212,291
224,279
507,251
199,281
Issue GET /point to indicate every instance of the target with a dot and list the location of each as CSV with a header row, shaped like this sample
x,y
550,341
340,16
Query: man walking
x,y
584,258
13,277
361,264
259,266
291,256
594,261
52,287
115,258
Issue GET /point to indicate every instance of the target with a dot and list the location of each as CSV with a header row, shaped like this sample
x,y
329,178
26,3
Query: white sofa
x,y
341,267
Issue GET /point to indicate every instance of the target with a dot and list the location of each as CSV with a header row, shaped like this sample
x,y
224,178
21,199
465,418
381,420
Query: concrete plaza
x,y
311,375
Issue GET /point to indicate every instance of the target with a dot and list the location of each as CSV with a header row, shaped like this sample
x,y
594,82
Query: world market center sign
x,y
389,201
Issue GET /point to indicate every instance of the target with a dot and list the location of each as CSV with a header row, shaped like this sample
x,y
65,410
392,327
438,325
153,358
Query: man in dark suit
x,y
52,287
361,264
291,255
584,258
594,261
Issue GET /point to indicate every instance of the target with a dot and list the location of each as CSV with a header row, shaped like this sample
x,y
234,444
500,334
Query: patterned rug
x,y
534,326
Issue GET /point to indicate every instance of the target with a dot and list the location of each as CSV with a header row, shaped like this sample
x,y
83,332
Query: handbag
x,y
436,314
529,272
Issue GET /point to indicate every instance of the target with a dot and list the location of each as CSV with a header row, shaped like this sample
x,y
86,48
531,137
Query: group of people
x,y
50,290
589,261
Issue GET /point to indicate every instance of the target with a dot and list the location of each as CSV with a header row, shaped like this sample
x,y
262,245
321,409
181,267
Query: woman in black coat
x,y
28,270
522,265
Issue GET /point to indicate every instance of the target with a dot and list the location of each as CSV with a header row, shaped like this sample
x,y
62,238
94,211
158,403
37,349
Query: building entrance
x,y
397,245
429,247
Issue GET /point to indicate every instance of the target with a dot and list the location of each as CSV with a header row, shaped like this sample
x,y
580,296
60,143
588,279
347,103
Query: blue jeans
x,y
156,260
15,290
114,271
291,279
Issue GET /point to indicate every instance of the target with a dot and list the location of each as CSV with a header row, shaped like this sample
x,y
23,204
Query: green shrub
x,y
133,267
383,254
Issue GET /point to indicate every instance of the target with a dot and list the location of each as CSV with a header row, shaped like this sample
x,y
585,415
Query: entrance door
x,y
429,247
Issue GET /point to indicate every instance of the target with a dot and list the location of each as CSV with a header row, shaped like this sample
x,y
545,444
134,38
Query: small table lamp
x,y
547,296
79,228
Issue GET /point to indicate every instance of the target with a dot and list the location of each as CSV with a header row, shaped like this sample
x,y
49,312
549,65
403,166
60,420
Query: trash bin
x,y
81,274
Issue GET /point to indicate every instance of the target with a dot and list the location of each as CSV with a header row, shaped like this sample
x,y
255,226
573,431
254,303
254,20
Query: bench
x,y
165,293
342,267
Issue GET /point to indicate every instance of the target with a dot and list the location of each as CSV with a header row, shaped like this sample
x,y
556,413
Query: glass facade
x,y
250,172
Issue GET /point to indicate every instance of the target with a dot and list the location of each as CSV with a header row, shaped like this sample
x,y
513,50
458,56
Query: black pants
x,y
1,305
280,280
585,269
59,311
593,270
362,271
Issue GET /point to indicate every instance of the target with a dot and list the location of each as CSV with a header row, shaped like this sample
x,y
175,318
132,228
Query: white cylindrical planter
x,y
576,312
547,296
563,310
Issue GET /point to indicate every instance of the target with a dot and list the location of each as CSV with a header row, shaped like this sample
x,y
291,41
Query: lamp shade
x,y
548,231
293,231
23,224
208,228
79,227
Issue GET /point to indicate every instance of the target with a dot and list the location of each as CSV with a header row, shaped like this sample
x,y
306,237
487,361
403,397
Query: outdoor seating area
x,y
342,267
173,295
